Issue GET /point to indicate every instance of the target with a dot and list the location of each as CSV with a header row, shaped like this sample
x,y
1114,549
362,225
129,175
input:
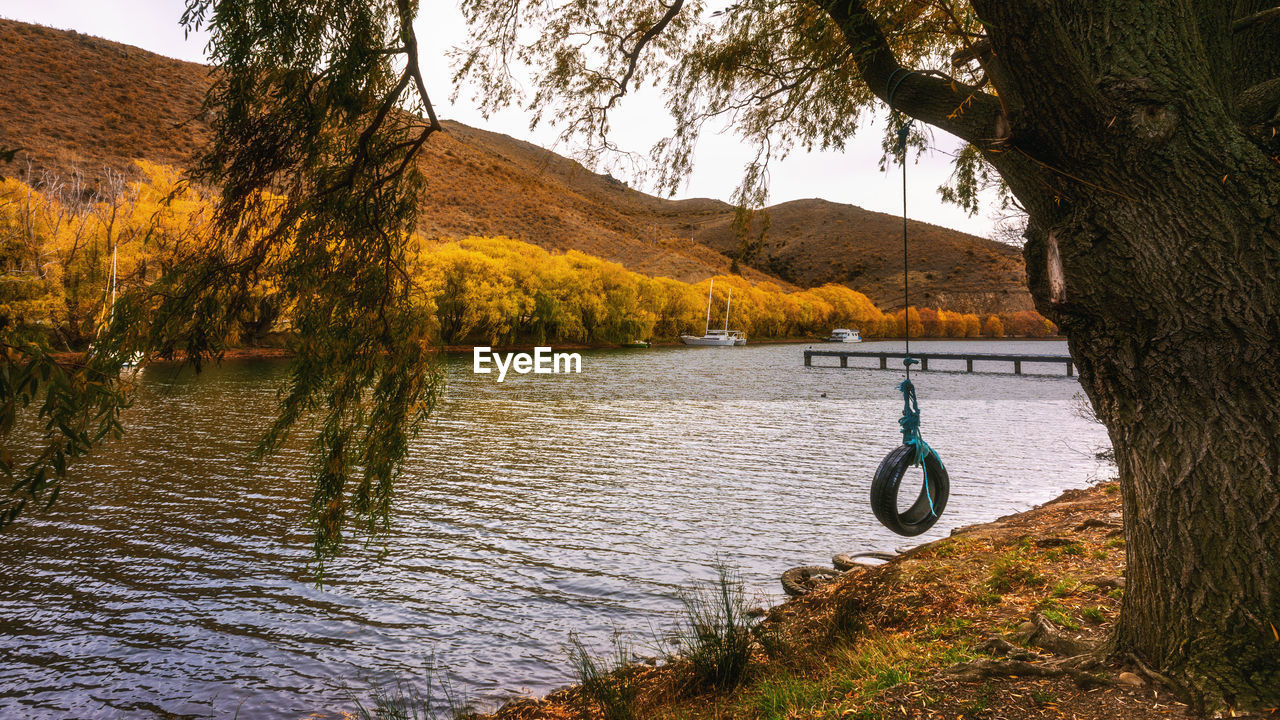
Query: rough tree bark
x,y
1137,135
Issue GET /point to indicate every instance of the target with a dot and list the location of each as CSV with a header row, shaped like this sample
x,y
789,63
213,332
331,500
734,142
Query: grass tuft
x,y
716,633
401,701
1011,571
1093,614
603,681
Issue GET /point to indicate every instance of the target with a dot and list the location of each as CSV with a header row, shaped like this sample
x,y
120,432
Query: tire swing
x,y
914,451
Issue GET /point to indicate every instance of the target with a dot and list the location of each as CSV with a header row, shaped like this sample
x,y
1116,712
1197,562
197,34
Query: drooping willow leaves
x,y
777,72
318,112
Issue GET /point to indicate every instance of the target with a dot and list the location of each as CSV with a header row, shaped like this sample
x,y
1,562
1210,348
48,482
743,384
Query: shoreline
x,y
271,352
929,634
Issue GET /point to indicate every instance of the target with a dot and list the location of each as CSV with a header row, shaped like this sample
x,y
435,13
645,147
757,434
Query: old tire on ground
x,y
845,562
888,481
799,580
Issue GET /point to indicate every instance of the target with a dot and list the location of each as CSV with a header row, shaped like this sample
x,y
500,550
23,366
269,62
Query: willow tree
x,y
318,111
1139,137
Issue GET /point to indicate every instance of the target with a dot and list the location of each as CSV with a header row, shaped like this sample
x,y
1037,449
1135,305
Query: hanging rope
x,y
914,450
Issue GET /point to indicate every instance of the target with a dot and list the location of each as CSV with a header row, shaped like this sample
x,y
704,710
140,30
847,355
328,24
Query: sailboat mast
x,y
726,310
709,290
114,250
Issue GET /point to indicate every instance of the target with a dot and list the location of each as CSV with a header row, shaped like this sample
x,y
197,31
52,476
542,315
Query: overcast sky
x,y
850,177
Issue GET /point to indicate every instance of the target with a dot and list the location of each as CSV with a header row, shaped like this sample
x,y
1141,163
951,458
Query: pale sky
x,y
851,177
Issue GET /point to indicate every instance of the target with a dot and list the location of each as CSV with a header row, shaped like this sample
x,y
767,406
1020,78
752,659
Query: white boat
x,y
134,361
844,335
717,338
722,338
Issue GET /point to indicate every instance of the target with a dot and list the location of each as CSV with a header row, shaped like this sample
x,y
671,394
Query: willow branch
x,y
633,56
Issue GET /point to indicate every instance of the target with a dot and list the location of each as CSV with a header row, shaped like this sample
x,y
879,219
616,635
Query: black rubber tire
x,y
888,482
845,562
799,580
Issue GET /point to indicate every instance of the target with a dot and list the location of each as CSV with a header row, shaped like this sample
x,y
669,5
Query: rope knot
x,y
910,420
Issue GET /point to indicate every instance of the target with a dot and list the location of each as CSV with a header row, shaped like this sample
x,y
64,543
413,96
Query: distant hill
x,y
813,242
80,103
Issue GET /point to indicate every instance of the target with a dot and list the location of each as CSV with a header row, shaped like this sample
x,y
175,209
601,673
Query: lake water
x,y
171,578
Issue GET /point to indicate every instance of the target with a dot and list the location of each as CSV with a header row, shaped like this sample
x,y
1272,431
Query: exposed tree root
x,y
1079,658
1095,523
1159,678
1042,633
1106,582
1077,668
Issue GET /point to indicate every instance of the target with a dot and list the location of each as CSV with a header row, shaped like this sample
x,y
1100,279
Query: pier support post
x,y
884,362
1017,367
844,361
808,359
924,363
968,365
1071,369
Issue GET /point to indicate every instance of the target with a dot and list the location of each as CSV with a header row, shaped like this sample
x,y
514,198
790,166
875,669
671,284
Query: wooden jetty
x,y
925,357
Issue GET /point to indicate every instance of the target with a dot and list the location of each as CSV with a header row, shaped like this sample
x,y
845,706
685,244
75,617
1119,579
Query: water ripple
x,y
172,579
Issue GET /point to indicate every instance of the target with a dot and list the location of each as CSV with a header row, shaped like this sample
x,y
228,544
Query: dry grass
x,y
812,242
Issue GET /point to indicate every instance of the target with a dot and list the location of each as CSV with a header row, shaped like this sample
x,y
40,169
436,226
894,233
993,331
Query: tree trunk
x,y
1184,372
1164,271
1154,242
1141,137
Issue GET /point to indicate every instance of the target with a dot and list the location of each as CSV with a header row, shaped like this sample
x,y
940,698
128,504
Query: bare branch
x,y
633,56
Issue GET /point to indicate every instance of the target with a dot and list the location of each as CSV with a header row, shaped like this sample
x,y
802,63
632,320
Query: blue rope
x,y
910,422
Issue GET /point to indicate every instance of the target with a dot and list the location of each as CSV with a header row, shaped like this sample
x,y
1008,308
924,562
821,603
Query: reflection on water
x,y
171,577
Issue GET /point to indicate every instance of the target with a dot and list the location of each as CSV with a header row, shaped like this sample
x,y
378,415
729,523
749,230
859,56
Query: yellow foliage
x,y
56,253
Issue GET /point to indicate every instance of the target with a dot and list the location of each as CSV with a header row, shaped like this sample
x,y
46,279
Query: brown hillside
x,y
813,242
77,102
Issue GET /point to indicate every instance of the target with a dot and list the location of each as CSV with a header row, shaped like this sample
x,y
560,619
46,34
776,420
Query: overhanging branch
x,y
960,109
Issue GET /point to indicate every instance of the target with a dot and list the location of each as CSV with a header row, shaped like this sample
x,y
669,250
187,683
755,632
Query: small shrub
x,y
715,635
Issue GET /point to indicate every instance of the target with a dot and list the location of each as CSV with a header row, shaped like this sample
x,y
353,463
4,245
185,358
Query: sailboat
x,y
717,338
136,359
